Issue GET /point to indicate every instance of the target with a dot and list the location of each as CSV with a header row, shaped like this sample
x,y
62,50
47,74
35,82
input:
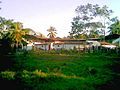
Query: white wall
x,y
59,46
67,46
29,46
42,46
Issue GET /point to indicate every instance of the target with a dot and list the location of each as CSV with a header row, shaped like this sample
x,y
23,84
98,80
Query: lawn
x,y
61,71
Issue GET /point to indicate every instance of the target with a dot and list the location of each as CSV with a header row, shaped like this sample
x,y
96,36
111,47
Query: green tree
x,y
77,29
115,28
52,32
94,31
11,34
5,26
103,13
91,20
16,34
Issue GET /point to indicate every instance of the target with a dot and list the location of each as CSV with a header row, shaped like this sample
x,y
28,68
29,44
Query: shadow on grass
x,y
6,61
114,83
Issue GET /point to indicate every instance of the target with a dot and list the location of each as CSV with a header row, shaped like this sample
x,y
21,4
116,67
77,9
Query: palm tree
x,y
52,32
11,33
16,34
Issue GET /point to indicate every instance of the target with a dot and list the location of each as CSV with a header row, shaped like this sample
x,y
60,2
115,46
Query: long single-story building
x,y
57,44
68,44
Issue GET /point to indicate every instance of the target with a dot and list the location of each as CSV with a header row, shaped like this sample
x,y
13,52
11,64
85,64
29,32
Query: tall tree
x,y
52,32
11,34
103,13
90,19
16,34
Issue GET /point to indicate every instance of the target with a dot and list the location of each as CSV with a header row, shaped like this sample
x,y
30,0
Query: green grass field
x,y
55,71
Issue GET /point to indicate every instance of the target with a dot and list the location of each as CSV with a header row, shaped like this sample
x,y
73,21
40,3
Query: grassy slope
x,y
72,72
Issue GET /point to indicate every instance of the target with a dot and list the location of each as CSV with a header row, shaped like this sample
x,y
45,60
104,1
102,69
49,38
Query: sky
x,y
39,15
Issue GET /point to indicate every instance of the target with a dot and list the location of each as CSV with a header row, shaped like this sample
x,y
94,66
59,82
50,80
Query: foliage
x,y
90,21
16,34
40,73
5,25
52,32
10,75
11,35
115,28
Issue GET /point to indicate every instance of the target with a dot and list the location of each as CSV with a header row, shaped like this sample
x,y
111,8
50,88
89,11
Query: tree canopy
x,y
52,32
11,34
90,21
115,28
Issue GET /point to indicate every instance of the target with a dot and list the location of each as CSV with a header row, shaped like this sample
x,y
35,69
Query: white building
x,y
58,44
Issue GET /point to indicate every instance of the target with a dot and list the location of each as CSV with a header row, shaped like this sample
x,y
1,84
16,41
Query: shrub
x,y
40,73
8,75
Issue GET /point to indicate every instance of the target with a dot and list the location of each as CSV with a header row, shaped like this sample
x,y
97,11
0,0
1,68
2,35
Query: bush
x,y
8,75
40,73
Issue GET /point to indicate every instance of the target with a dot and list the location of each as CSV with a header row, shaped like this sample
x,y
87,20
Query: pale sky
x,y
39,15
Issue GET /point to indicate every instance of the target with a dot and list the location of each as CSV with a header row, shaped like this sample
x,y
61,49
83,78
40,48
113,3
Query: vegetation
x,y
16,34
115,28
52,32
11,35
62,71
90,21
